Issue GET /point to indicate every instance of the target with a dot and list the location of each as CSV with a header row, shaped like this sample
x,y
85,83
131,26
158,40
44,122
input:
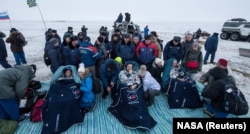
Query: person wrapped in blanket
x,y
61,107
181,89
130,108
88,97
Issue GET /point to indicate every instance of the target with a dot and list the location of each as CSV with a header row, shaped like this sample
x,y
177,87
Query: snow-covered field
x,y
34,33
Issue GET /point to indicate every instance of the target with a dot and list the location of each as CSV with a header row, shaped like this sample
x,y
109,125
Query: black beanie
x,y
100,39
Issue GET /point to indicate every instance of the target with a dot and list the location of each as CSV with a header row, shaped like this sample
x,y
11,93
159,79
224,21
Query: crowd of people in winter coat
x,y
126,64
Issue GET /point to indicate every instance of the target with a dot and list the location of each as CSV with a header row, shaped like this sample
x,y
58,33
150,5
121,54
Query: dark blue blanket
x,y
61,107
131,110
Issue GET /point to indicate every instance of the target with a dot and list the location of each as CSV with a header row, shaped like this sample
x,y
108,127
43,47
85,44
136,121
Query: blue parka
x,y
106,75
211,44
173,51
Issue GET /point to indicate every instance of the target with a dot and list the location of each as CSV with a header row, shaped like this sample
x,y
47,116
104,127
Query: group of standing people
x,y
17,42
127,62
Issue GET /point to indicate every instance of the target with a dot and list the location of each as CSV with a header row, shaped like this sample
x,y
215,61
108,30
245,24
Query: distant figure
x,y
3,52
127,17
211,47
119,18
48,34
198,33
146,30
84,30
17,42
70,31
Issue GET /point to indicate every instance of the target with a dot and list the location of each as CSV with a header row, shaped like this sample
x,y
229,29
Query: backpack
x,y
46,58
36,112
97,86
234,100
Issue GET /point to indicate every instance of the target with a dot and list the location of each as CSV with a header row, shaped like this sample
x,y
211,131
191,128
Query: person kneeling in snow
x,y
14,81
150,86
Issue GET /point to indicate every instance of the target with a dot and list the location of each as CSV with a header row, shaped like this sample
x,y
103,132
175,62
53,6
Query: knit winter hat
x,y
100,39
118,60
81,68
142,71
126,35
13,30
53,41
222,62
195,44
157,60
148,37
70,28
177,39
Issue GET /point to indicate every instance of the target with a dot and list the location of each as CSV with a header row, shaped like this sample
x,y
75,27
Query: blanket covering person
x,y
181,89
130,106
61,107
131,109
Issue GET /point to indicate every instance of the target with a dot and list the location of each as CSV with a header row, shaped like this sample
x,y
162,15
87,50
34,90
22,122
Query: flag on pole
x,y
4,16
31,3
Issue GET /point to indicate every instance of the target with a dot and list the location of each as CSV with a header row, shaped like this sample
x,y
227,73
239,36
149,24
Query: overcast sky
x,y
141,10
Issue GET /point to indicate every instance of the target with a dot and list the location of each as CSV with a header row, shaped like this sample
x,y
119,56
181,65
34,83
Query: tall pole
x,y
10,23
42,18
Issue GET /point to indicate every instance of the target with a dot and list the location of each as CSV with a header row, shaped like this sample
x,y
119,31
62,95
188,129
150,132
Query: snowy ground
x,y
34,33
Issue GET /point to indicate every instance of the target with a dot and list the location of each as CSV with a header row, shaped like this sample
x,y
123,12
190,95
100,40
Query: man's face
x,y
147,42
189,37
175,42
126,40
135,40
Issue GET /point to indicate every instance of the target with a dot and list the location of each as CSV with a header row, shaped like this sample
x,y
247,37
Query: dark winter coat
x,y
65,54
108,46
156,72
88,54
211,43
114,44
107,76
125,51
73,56
172,51
212,75
55,57
61,107
131,109
119,19
17,42
146,54
187,45
216,93
58,38
193,55
14,81
3,51
127,17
